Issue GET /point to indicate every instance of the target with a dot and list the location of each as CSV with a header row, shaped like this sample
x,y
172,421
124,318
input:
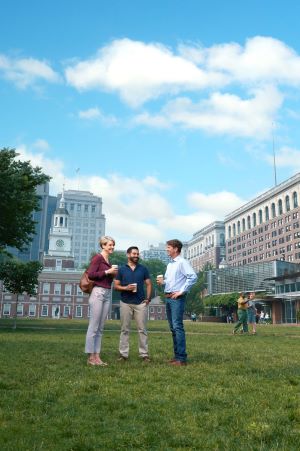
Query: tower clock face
x,y
60,243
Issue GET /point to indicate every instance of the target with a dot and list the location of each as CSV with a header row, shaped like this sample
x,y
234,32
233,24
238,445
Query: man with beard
x,y
130,282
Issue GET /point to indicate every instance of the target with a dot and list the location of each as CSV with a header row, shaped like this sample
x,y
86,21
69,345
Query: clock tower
x,y
60,238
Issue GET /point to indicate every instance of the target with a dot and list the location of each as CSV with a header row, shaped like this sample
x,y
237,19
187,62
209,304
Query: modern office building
x,y
39,244
207,246
156,253
259,277
266,228
87,223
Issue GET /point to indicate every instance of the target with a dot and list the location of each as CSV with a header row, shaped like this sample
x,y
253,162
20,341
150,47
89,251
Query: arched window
x,y
254,219
260,219
295,199
229,232
248,222
280,207
273,210
234,230
243,225
287,203
61,220
267,213
239,227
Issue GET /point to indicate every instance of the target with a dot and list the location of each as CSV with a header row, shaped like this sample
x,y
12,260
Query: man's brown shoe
x,y
178,363
122,358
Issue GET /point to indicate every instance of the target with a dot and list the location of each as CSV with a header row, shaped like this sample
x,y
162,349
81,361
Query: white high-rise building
x,y
86,223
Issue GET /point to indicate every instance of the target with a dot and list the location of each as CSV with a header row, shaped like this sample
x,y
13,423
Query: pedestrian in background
x,y
242,314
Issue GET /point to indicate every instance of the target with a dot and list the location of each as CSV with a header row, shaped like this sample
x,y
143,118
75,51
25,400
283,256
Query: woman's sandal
x,y
91,362
100,363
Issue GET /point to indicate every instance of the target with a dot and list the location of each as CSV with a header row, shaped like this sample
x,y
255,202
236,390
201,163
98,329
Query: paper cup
x,y
135,288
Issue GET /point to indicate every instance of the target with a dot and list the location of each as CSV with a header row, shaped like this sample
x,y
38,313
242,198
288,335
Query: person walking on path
x,y
101,273
251,312
242,314
130,281
178,280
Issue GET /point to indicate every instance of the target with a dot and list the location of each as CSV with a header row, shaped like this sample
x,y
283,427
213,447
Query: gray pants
x,y
139,312
99,303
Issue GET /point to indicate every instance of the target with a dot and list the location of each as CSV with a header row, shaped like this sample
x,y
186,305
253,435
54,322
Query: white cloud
x,y
288,157
41,144
96,114
137,211
221,114
24,72
263,60
139,72
216,204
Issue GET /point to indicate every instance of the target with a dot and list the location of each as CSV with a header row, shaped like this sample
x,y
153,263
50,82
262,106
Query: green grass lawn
x,y
237,393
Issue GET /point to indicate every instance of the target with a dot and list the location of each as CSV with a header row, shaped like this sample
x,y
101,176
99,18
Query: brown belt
x,y
168,295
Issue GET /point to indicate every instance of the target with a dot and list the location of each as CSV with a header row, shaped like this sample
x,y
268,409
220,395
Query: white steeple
x,y
60,238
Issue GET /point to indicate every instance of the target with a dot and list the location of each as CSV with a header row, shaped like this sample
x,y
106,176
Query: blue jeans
x,y
175,310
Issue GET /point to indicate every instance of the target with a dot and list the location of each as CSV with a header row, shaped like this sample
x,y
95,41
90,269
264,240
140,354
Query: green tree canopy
x,y
19,277
18,199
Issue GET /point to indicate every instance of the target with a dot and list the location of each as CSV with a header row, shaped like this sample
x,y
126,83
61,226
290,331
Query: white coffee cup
x,y
135,288
160,278
115,266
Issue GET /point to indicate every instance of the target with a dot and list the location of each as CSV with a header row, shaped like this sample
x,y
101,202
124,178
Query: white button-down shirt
x,y
179,276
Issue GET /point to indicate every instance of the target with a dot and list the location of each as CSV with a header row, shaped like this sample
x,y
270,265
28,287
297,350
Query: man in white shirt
x,y
178,280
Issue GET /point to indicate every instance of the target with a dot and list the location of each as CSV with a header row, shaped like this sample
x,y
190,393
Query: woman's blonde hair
x,y
104,240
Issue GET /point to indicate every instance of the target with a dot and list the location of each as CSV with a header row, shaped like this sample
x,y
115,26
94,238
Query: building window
x,y
287,203
86,208
67,311
6,309
234,231
248,222
72,207
68,289
57,288
267,213
260,217
32,310
254,219
229,232
93,208
78,207
46,288
243,225
44,311
78,313
238,227
295,199
273,208
280,207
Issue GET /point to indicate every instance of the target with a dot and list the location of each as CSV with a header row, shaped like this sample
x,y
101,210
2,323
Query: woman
x,y
102,274
251,312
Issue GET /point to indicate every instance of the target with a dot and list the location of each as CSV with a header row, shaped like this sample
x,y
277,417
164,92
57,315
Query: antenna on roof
x,y
274,158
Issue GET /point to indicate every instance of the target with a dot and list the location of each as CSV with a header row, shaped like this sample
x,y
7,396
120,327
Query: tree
x,y
18,199
18,278
194,301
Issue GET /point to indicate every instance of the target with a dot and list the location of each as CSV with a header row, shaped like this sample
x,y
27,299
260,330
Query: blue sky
x,y
169,108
